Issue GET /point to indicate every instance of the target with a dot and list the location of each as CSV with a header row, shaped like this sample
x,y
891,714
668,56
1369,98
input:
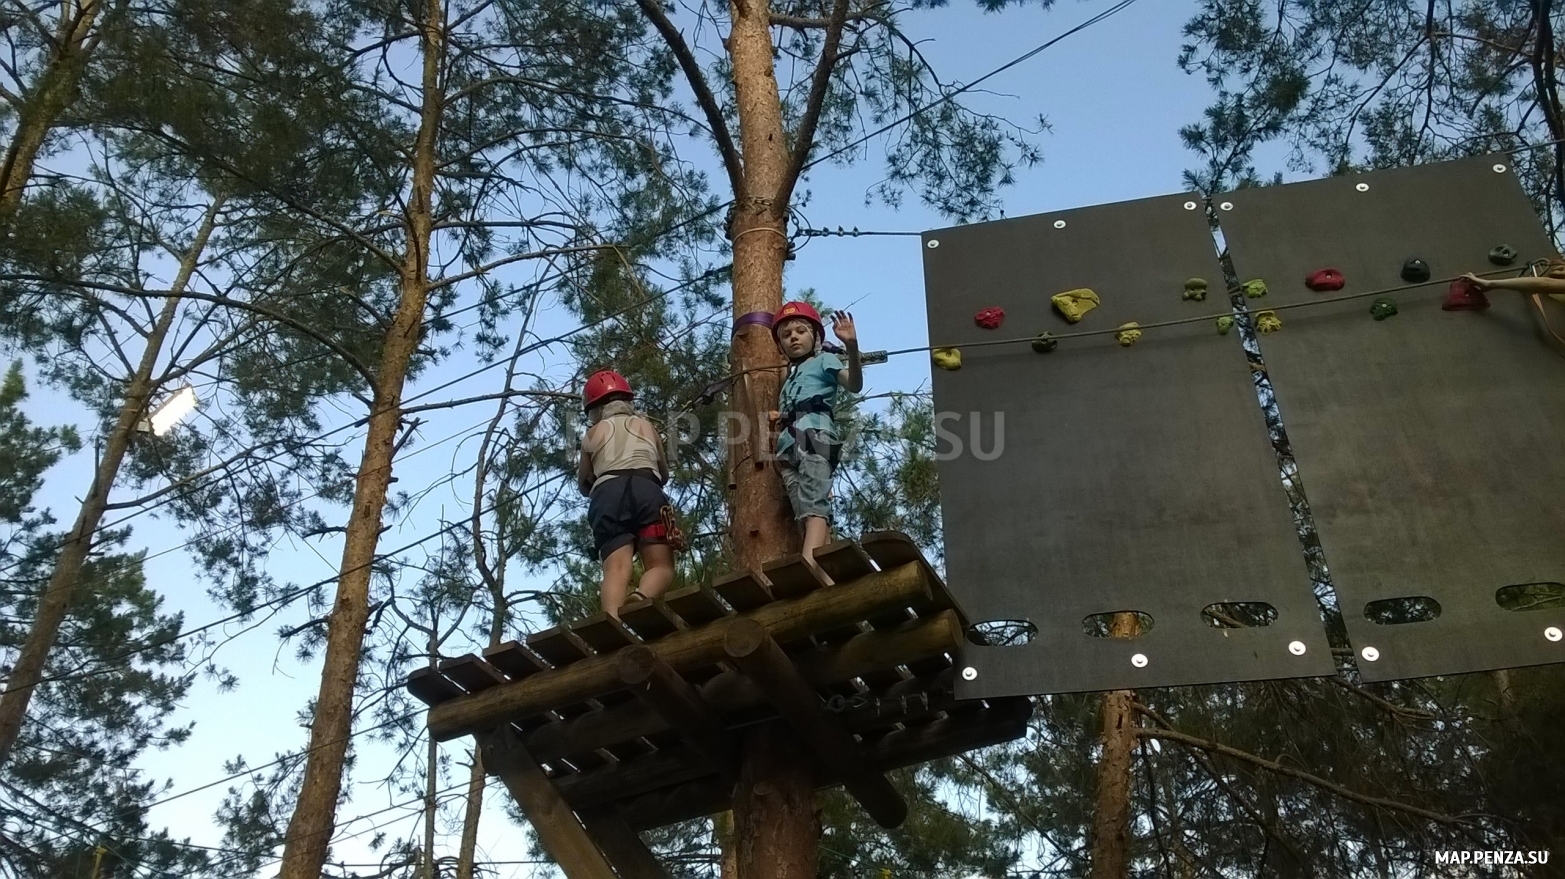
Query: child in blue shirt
x,y
807,441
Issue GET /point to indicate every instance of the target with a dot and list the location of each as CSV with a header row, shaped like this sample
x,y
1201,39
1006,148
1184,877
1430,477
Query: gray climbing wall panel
x,y
1430,444
1135,479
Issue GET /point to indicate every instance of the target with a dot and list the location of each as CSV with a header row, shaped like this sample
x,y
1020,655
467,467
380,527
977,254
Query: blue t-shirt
x,y
815,377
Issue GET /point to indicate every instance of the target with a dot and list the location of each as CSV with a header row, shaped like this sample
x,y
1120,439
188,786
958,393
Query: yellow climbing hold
x,y
947,358
1074,304
1224,324
1268,322
1195,288
1128,334
1254,289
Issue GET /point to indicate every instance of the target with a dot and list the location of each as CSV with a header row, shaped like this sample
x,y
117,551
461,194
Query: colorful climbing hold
x,y
1502,255
1224,324
1415,271
1254,289
989,318
1128,333
1074,304
1382,308
1464,296
1045,343
947,358
1267,322
1195,289
1325,279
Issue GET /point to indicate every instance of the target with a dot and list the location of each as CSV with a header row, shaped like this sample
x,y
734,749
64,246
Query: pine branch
x,y
1280,769
732,163
804,138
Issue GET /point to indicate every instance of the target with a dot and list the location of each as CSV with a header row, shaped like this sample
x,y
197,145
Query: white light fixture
x,y
171,411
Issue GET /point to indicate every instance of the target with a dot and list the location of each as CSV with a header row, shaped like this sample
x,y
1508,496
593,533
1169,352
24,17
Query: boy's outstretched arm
x,y
853,378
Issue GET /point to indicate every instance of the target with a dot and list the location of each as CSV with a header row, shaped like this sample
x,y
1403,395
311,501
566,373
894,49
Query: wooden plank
x,y
430,687
683,651
680,706
791,577
843,561
603,633
622,846
1000,723
731,693
650,619
744,590
514,660
559,646
471,673
760,658
892,549
559,831
630,778
696,606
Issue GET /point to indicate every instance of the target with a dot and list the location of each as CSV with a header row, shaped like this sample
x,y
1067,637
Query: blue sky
x,y
1115,99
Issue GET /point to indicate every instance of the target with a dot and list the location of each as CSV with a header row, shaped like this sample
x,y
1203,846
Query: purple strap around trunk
x,y
764,318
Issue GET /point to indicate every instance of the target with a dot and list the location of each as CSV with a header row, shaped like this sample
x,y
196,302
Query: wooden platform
x,y
636,723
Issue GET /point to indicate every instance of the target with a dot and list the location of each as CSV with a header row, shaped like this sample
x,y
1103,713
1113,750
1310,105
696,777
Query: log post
x,y
562,835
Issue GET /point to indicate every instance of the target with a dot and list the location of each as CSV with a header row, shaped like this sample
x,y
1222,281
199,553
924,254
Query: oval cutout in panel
x,y
1400,611
1531,596
1239,615
1002,633
1101,625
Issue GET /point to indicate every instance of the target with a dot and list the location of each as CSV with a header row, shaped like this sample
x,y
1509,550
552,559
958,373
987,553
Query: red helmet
x,y
601,384
799,309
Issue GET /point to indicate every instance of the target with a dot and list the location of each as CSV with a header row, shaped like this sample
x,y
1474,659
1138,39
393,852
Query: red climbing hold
x,y
989,318
1463,296
1325,279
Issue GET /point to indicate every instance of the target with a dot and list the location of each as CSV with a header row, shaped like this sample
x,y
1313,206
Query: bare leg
x,y
816,535
616,578
658,561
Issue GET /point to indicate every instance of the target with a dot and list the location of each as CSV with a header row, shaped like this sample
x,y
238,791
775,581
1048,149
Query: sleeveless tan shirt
x,y
622,449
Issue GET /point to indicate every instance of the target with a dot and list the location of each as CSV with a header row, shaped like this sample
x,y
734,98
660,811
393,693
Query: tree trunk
x,y
774,804
55,603
431,775
1111,817
314,816
727,845
475,805
52,93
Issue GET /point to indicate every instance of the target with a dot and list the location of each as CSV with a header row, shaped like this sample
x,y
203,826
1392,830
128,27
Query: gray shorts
x,y
807,477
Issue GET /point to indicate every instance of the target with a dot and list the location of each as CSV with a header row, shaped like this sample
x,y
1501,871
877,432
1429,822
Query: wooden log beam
x,y
679,706
756,654
684,650
623,846
731,691
559,831
1005,720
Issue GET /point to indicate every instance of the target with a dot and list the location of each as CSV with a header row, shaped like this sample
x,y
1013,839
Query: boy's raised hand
x,y
842,325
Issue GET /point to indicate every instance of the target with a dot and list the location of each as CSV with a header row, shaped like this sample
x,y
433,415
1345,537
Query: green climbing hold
x,y
1195,288
1503,255
1224,324
1128,333
1383,308
1045,343
1074,304
1254,289
947,358
1267,322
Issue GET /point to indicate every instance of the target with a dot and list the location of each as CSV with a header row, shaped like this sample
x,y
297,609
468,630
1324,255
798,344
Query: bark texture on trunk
x,y
1111,817
52,93
310,829
776,830
55,603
